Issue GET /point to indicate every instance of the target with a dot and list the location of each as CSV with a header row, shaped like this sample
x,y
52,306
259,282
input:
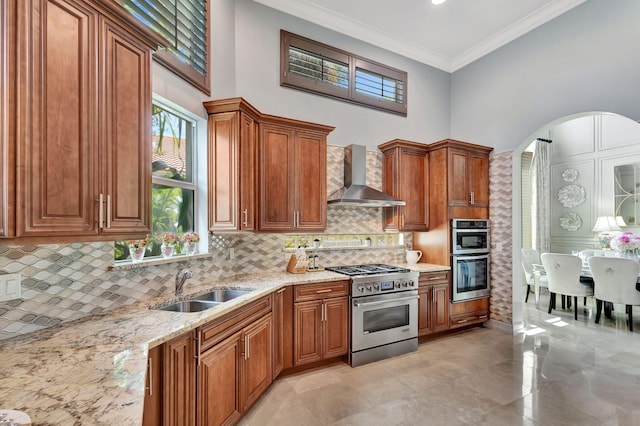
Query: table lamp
x,y
604,225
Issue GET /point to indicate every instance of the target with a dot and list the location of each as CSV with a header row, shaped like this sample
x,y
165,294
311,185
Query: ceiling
x,y
447,36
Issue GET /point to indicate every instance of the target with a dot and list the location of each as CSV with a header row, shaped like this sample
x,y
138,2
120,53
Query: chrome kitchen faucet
x,y
181,277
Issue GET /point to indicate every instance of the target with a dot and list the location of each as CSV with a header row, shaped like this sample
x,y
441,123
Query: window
x,y
315,67
174,184
183,23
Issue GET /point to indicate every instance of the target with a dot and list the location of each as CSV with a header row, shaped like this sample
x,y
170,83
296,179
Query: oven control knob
x,y
377,287
411,283
369,287
361,289
397,284
405,284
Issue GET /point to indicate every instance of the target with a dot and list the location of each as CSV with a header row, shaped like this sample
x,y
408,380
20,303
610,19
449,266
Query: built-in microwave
x,y
469,236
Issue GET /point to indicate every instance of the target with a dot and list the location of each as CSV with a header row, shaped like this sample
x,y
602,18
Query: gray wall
x,y
584,60
245,62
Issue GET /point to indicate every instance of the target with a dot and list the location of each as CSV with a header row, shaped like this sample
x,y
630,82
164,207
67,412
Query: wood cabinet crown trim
x,y
452,143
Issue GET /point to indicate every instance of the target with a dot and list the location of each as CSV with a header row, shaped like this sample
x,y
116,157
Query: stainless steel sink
x,y
190,306
220,295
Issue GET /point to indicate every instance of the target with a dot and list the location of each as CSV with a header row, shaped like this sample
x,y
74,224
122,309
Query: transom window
x,y
315,67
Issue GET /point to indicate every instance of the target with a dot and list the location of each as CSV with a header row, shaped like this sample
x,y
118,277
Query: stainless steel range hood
x,y
355,191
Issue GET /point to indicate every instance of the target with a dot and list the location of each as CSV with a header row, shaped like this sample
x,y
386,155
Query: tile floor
x,y
557,372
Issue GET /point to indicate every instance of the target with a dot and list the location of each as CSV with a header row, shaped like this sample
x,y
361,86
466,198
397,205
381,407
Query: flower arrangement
x,y
167,238
190,237
625,242
139,243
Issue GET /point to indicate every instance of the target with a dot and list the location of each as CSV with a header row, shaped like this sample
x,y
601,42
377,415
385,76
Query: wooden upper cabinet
x,y
6,129
468,178
232,144
126,144
405,175
266,173
57,183
84,122
292,164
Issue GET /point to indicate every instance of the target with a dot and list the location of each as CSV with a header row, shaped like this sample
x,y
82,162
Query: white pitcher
x,y
413,256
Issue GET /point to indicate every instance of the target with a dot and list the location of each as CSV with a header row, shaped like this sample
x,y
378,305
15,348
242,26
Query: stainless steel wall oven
x,y
470,260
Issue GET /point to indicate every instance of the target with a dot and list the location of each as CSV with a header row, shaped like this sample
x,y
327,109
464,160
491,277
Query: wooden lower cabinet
x,y
234,373
469,312
282,330
179,381
219,383
433,305
152,414
321,324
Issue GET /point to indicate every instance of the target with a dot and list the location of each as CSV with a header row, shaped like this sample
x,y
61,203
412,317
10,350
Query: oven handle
x,y
379,302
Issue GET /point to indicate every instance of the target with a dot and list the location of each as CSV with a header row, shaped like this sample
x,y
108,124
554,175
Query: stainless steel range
x,y
383,311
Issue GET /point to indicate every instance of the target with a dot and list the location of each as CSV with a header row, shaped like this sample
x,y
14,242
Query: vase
x,y
190,248
137,253
167,250
630,254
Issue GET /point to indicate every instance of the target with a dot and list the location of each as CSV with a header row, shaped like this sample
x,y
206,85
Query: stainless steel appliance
x,y
383,311
469,236
470,279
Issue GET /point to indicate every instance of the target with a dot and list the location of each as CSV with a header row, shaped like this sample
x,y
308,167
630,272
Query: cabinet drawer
x,y
223,327
427,278
321,290
470,306
469,318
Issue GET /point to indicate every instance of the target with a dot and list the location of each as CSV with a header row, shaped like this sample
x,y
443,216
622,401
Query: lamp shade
x,y
606,224
620,221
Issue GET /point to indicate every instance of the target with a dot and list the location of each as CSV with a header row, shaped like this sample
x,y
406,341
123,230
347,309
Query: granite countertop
x,y
92,371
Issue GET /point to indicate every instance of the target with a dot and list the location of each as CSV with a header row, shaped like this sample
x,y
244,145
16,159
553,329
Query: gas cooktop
x,y
367,269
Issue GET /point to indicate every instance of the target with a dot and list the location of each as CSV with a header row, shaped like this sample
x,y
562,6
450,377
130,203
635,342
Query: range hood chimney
x,y
355,191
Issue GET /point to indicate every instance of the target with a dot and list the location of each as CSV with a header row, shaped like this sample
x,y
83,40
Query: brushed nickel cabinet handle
x,y
246,347
150,370
328,290
245,213
282,290
402,221
198,346
100,211
108,211
473,198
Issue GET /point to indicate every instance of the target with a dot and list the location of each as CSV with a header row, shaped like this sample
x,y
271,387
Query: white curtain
x,y
541,195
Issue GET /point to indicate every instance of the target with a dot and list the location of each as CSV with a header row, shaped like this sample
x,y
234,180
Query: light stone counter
x,y
92,372
424,267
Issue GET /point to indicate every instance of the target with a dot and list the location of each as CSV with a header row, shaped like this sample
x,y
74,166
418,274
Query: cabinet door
x,y
308,332
258,362
424,311
248,146
126,136
458,186
57,140
152,414
440,311
5,119
479,180
310,181
335,327
219,383
179,381
414,189
276,170
278,331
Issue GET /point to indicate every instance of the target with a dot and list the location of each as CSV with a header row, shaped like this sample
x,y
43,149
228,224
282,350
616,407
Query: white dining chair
x,y
530,265
615,281
563,274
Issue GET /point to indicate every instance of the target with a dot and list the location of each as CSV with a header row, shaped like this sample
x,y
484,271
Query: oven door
x,y
383,319
470,277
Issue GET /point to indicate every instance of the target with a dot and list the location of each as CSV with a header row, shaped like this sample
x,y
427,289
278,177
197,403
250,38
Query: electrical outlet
x,y
10,287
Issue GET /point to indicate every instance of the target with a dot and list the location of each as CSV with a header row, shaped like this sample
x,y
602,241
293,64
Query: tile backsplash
x,y
65,282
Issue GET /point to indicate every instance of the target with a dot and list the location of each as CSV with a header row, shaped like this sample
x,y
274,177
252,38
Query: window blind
x,y
182,22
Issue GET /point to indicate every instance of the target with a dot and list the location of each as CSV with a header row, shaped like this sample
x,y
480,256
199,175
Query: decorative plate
x,y
571,195
570,221
570,175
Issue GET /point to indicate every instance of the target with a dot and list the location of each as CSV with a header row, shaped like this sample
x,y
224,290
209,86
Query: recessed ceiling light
x,y
438,1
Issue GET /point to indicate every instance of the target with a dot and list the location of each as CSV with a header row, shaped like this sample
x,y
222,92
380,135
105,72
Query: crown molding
x,y
324,17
